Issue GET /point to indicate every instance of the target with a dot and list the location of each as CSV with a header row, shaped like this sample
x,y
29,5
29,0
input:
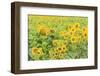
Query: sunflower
x,y
43,30
84,35
77,25
37,52
69,27
78,38
61,48
57,53
66,37
53,54
55,42
74,39
84,29
71,33
73,29
64,48
52,31
63,33
39,27
34,51
61,51
58,42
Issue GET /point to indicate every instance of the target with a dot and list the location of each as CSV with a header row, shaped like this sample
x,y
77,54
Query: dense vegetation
x,y
57,37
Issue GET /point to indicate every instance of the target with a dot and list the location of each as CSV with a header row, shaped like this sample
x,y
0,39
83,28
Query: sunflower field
x,y
57,37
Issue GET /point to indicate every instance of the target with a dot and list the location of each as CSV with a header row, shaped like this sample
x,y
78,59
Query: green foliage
x,y
44,32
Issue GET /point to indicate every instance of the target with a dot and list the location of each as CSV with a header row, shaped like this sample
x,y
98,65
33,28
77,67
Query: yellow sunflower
x,y
37,52
85,35
84,29
73,29
58,42
74,39
57,53
55,42
34,51
71,33
69,27
52,31
64,48
78,38
77,25
43,30
53,54
63,33
66,37
61,51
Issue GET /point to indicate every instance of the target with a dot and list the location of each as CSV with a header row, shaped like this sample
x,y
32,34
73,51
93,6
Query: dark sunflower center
x,y
73,39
